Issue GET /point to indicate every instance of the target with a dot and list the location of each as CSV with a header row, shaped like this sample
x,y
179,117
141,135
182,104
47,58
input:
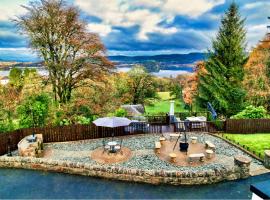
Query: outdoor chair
x,y
118,147
105,146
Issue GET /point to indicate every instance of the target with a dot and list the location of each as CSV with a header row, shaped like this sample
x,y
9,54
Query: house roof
x,y
134,110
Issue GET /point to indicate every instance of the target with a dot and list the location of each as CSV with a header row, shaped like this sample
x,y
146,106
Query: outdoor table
x,y
112,145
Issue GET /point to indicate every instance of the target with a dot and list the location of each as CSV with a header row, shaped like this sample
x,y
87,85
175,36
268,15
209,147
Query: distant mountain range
x,y
170,58
154,63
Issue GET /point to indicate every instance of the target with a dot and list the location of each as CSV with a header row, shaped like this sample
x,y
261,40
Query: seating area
x,y
112,146
199,152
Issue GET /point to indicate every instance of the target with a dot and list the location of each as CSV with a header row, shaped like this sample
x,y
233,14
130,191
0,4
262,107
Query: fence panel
x,y
248,126
191,126
82,132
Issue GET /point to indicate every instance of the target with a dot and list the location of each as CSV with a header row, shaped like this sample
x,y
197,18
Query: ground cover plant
x,y
257,143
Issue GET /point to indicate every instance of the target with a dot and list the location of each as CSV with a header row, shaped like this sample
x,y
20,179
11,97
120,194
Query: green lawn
x,y
256,142
162,105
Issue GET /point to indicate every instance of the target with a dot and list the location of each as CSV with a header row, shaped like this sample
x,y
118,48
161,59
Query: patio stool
x,y
174,135
161,140
209,153
157,147
193,140
172,157
199,156
210,145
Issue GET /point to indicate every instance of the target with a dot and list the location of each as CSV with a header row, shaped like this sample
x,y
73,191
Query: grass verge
x,y
255,143
162,104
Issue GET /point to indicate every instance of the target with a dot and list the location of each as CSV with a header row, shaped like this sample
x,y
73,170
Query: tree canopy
x,y
70,53
221,84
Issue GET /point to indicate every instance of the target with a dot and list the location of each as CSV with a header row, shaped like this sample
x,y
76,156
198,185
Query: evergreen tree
x,y
221,83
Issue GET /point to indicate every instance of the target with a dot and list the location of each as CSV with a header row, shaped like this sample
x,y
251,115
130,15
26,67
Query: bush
x,y
120,112
34,111
6,126
252,112
84,120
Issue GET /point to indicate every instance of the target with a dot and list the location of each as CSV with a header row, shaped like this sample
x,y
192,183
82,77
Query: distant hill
x,y
156,63
171,58
151,63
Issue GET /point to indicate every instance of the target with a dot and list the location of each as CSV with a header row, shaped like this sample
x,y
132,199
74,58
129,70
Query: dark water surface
x,y
23,184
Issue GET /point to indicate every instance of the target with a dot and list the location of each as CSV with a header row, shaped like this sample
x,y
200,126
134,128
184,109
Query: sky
x,y
143,27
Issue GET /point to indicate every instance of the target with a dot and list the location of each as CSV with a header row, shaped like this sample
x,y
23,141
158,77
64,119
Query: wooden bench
x,y
174,135
172,157
161,140
193,140
209,153
157,147
197,156
210,145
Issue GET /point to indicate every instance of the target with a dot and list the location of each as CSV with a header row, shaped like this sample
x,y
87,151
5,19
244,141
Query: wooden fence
x,y
247,126
73,133
199,126
184,115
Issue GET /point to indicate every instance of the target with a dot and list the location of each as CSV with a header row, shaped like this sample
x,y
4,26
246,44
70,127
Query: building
x,y
4,80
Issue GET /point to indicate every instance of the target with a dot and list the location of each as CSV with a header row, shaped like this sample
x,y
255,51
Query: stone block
x,y
267,159
242,165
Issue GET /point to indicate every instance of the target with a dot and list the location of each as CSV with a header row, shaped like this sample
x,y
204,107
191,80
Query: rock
x,y
267,159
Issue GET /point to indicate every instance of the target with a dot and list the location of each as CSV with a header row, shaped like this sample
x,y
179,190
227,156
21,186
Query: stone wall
x,y
267,159
31,149
135,175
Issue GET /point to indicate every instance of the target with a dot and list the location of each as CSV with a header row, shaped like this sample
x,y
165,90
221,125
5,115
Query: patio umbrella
x,y
112,122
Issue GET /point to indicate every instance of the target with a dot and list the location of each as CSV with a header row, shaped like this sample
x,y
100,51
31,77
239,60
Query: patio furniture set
x,y
112,146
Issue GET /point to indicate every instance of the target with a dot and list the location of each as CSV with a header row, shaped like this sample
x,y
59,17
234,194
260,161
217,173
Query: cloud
x,y
191,8
256,5
9,9
148,15
18,54
102,29
147,3
255,34
145,26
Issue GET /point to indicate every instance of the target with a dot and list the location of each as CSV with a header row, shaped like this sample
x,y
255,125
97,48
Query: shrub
x,y
120,112
34,111
84,120
252,112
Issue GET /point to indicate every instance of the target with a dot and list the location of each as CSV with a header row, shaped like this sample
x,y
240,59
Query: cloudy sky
x,y
143,27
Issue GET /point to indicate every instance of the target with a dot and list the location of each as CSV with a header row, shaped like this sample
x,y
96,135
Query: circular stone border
x,y
102,157
182,157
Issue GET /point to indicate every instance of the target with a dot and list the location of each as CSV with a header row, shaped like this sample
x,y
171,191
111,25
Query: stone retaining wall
x,y
267,159
136,175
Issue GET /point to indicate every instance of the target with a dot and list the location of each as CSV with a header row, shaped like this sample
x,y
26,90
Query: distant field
x,y
163,104
256,142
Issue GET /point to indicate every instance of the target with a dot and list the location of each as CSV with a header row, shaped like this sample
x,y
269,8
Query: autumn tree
x,y
121,82
9,99
71,54
16,78
141,85
222,84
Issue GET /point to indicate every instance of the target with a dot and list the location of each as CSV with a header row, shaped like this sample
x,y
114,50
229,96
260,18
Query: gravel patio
x,y
143,156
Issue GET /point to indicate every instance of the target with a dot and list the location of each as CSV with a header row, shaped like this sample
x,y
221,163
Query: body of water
x,y
41,71
161,73
27,184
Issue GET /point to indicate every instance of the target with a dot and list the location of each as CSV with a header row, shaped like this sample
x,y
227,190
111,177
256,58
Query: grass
x,y
257,143
162,104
